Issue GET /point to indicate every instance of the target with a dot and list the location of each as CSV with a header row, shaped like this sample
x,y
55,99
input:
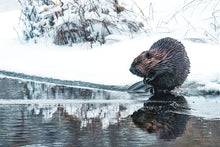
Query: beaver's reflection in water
x,y
163,114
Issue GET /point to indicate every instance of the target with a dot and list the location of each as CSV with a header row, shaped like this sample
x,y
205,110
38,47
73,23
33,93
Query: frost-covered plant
x,y
74,21
34,23
93,20
195,19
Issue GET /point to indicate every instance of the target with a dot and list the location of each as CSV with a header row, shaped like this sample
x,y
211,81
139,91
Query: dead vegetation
x,y
76,21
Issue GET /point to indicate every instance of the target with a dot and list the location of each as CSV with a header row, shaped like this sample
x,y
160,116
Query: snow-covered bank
x,y
8,5
107,64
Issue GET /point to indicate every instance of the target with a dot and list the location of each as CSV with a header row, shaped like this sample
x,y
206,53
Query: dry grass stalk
x,y
78,21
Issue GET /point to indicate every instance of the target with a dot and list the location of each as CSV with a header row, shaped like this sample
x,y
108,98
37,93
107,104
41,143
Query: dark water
x,y
42,114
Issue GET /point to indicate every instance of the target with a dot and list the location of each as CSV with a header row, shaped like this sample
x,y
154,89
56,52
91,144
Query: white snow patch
x,y
107,64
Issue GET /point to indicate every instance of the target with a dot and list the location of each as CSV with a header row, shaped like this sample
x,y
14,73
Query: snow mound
x,y
107,64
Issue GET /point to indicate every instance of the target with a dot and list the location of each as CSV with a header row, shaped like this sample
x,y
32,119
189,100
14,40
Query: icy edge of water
x,y
77,84
189,88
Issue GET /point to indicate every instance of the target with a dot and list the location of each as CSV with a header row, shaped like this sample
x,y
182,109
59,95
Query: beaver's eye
x,y
148,55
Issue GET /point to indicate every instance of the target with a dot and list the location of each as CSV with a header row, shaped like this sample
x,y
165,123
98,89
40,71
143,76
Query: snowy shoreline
x,y
106,65
189,88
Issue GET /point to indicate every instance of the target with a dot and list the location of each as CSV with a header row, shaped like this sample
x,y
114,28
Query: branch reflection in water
x,y
166,115
45,114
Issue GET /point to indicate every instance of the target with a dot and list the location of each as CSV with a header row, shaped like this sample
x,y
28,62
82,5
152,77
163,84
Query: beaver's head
x,y
147,63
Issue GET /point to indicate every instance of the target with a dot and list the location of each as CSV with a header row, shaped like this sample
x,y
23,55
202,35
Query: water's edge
x,y
82,84
189,88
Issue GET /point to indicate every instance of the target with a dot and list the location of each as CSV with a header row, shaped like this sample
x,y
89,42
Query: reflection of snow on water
x,y
107,114
206,107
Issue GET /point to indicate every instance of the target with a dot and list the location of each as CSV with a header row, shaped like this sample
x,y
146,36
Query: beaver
x,y
164,66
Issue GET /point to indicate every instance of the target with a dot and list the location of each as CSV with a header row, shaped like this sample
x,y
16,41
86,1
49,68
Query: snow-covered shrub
x,y
74,21
34,23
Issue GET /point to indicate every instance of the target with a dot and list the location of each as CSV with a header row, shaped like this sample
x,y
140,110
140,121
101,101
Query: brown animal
x,y
165,66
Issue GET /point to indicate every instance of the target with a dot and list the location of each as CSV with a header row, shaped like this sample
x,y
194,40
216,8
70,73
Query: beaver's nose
x,y
132,68
136,61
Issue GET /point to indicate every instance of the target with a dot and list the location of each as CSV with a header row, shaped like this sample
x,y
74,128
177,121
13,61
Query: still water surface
x,y
44,114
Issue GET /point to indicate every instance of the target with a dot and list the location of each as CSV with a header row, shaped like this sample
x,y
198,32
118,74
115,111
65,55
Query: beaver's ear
x,y
148,55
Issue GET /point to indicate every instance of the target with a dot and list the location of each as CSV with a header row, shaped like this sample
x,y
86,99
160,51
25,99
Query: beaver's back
x,y
176,62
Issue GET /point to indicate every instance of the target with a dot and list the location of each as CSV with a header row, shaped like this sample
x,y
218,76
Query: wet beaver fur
x,y
164,67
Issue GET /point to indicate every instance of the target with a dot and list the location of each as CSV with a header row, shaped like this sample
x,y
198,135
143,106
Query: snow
x,y
109,64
